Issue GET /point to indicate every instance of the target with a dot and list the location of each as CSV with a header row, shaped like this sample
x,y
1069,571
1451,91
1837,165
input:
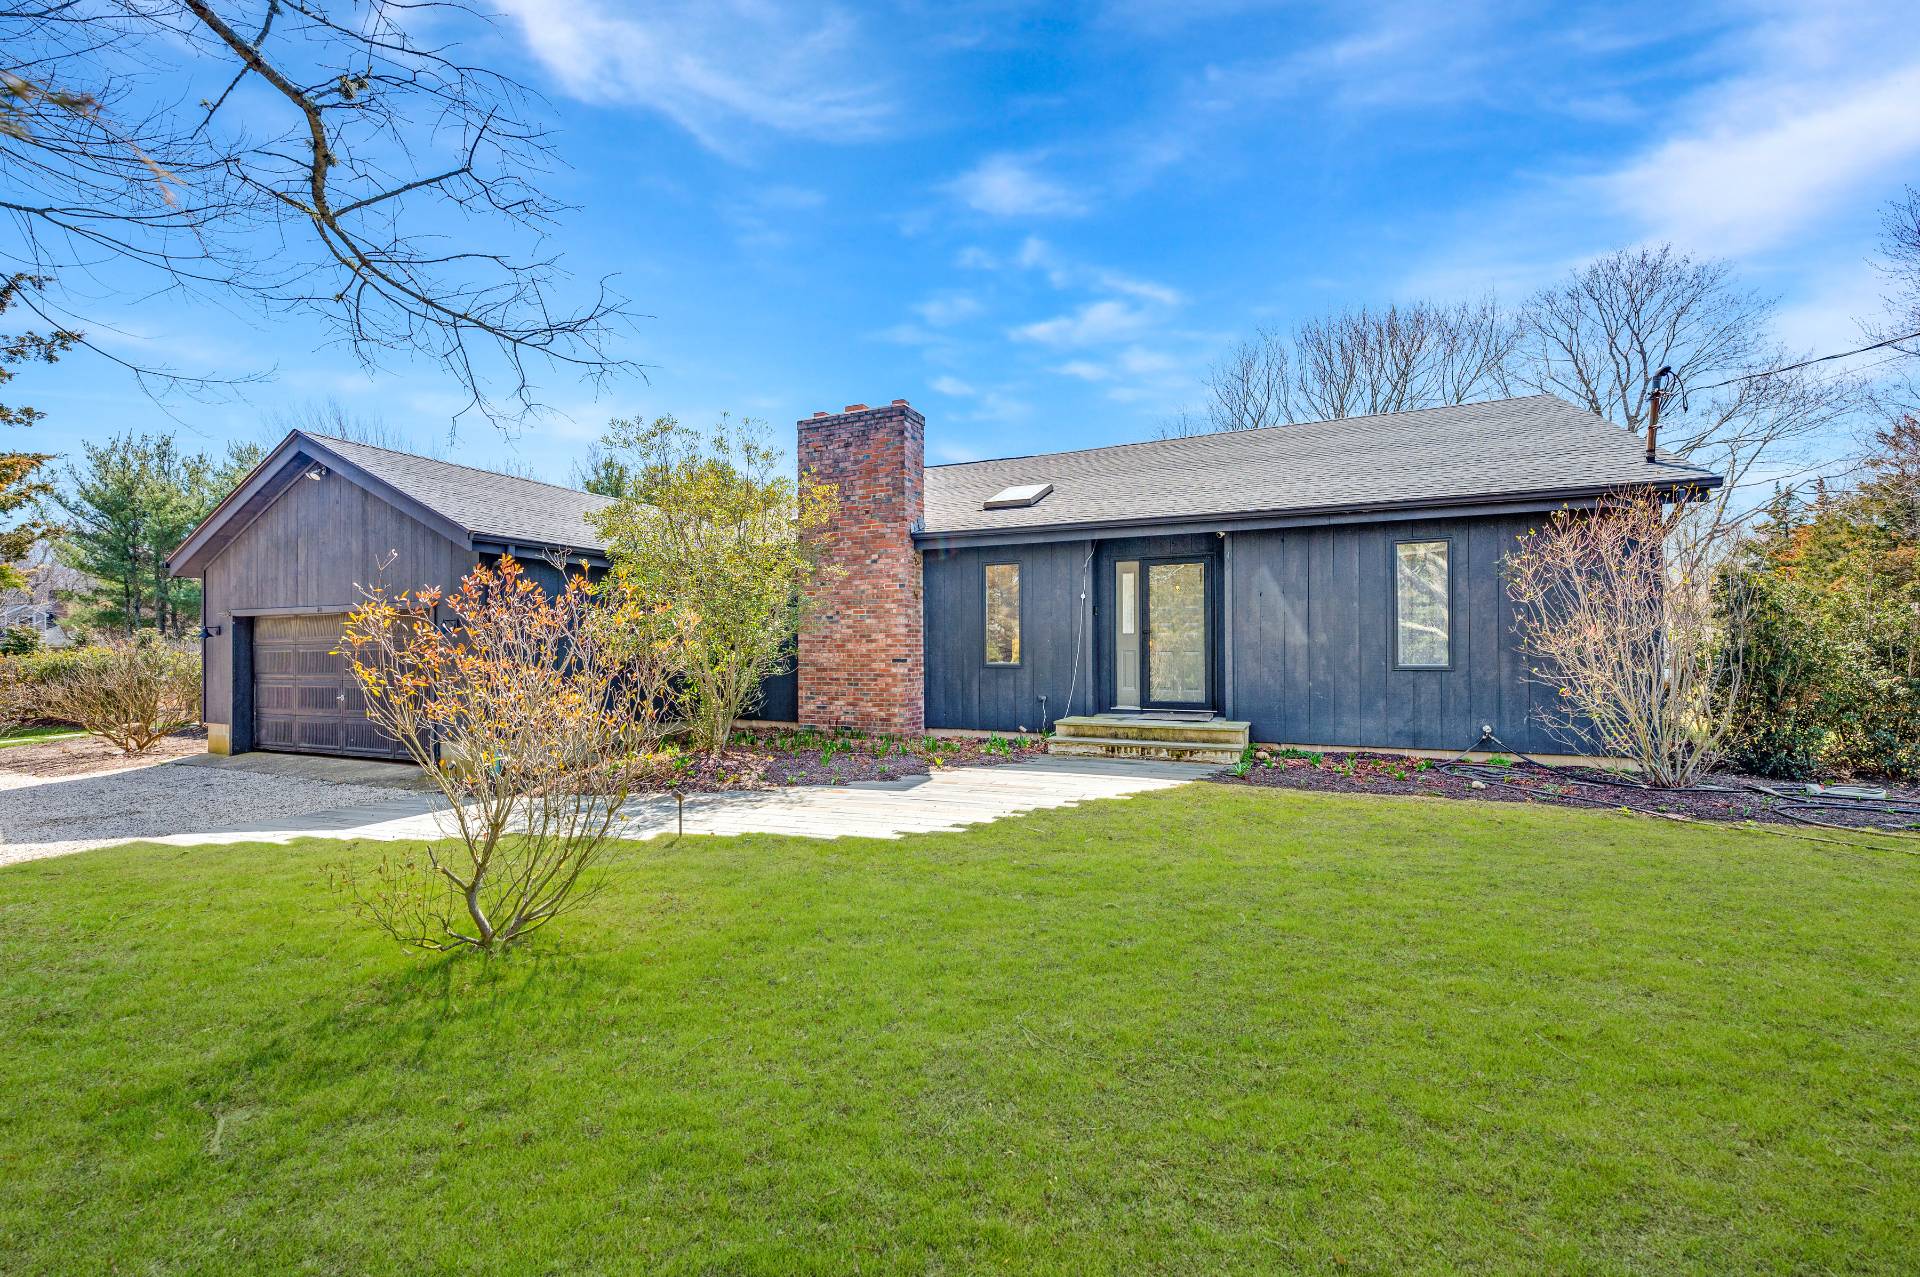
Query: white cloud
x,y
722,71
1767,157
1133,362
1093,324
945,309
1036,254
952,387
1009,186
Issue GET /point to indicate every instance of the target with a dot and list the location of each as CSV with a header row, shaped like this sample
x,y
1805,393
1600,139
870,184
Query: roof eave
x,y
1252,520
528,551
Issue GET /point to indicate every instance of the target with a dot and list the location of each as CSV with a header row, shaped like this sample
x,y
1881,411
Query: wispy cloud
x,y
1036,254
1008,185
724,71
1764,158
1093,324
952,387
945,309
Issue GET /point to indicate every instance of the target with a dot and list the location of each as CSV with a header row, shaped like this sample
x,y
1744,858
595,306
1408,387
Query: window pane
x,y
1177,632
1420,582
1003,614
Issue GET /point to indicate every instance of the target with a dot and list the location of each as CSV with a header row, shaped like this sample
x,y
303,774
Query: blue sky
x,y
1041,223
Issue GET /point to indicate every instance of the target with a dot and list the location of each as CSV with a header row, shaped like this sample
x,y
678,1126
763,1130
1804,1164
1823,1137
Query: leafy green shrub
x,y
31,677
1780,716
1832,682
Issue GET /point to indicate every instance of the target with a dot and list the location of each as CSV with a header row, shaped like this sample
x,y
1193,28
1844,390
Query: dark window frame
x,y
1019,615
1393,586
1210,578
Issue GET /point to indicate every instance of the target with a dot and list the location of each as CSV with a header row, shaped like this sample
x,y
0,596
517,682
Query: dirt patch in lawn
x,y
85,755
778,760
1724,797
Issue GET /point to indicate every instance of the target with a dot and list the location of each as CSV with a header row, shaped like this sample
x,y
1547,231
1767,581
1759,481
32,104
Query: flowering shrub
x,y
521,705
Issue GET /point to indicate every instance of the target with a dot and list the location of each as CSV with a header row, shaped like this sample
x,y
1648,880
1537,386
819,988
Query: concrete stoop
x,y
1210,740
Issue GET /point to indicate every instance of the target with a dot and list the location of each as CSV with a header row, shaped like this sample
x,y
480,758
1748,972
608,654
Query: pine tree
x,y
22,474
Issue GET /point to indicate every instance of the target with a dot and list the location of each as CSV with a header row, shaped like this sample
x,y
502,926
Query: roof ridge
x,y
457,465
1258,430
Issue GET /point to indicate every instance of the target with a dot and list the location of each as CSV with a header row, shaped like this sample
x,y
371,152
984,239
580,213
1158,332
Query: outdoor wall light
x,y
209,631
317,473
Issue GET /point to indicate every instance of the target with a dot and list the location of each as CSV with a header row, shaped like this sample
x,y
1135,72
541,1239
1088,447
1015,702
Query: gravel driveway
x,y
52,816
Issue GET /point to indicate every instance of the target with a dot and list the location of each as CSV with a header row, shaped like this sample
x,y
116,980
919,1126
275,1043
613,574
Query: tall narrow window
x,y
1003,613
1422,611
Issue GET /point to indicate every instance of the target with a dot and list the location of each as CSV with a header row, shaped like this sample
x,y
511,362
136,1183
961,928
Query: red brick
x,y
862,649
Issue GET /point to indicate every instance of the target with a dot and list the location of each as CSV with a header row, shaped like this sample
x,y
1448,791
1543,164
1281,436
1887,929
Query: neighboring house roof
x,y
478,509
1508,450
491,506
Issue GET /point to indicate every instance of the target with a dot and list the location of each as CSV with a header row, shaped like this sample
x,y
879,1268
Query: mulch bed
x,y
777,760
1729,798
86,755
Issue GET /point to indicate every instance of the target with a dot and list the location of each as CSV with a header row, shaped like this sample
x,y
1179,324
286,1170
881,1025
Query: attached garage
x,y
293,548
305,698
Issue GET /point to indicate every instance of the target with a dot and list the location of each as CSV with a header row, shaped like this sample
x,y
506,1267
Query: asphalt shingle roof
x,y
1507,448
490,505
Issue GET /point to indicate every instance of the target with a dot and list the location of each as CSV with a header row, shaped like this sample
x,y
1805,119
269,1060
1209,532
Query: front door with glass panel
x,y
1162,645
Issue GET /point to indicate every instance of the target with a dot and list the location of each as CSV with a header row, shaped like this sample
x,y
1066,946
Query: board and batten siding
x,y
311,550
1312,617
962,690
1304,635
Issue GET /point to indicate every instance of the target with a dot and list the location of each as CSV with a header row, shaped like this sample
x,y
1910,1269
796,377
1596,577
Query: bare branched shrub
x,y
133,692
522,706
16,699
1616,606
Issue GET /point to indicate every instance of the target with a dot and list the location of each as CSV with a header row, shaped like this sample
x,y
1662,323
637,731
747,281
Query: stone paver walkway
x,y
950,798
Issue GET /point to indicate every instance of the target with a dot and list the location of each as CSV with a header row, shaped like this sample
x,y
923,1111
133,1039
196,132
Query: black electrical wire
x,y
1804,363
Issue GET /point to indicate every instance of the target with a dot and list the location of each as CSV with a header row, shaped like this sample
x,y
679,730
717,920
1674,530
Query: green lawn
x,y
1203,1030
39,735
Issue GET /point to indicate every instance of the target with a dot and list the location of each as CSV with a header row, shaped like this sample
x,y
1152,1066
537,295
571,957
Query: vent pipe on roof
x,y
1653,416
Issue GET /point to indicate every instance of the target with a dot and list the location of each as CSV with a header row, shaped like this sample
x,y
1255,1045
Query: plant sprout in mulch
x,y
760,759
1508,778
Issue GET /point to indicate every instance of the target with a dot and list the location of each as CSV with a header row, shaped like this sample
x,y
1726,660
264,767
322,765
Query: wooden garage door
x,y
305,699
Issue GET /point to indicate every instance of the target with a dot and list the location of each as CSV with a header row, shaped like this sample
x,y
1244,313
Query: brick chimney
x,y
862,649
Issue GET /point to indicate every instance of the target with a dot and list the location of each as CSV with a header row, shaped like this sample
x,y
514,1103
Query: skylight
x,y
1015,498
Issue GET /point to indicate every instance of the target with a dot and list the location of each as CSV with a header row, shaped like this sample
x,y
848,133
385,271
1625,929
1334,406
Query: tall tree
x,y
712,555
128,504
1599,337
339,160
23,480
1900,239
1360,362
607,472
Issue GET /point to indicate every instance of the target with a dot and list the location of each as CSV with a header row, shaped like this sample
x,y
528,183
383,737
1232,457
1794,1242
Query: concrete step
x,y
1137,747
1217,732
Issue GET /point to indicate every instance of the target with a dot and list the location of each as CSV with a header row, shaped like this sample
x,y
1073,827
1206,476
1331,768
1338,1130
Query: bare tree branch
x,y
319,174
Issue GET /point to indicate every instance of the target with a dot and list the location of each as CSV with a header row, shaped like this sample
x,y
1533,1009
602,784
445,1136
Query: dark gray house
x,y
1331,584
284,557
